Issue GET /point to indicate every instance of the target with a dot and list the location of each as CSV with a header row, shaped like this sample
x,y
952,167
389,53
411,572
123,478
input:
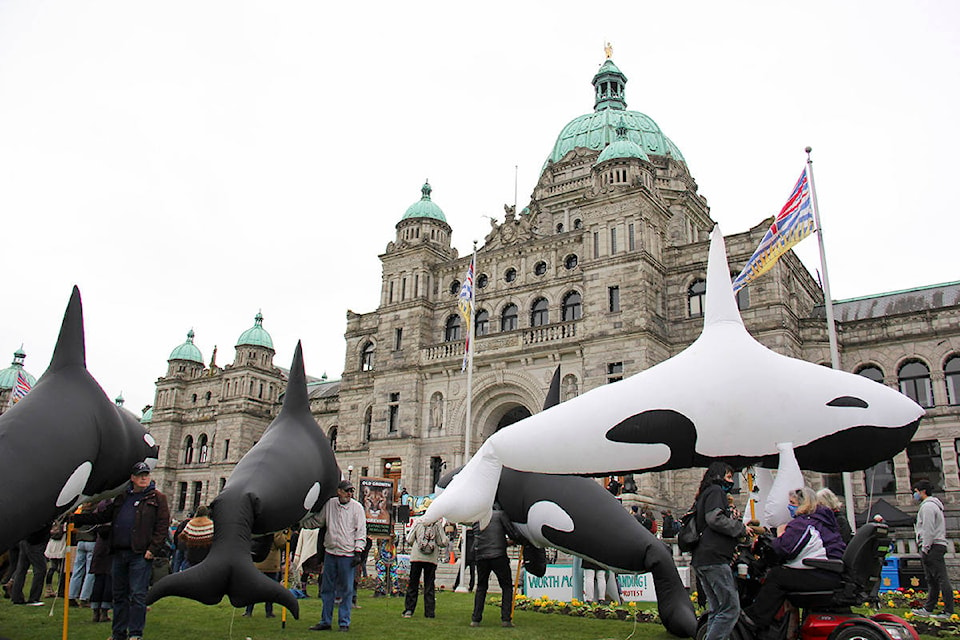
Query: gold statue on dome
x,y
608,49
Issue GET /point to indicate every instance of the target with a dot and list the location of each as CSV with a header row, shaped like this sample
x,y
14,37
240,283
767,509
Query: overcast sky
x,y
190,163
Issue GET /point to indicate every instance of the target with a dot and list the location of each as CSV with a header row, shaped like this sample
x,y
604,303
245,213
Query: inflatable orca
x,y
288,473
725,397
579,516
65,442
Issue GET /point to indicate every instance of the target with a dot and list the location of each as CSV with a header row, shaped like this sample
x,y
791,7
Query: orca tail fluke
x,y
220,574
673,601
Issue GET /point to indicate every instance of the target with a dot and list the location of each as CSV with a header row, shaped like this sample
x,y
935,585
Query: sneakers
x,y
922,612
247,614
271,615
35,603
506,623
407,614
320,627
474,623
344,629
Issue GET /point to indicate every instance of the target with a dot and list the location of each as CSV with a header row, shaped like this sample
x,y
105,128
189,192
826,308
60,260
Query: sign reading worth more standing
x,y
557,584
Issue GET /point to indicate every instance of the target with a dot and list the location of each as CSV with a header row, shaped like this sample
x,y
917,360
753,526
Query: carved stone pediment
x,y
515,229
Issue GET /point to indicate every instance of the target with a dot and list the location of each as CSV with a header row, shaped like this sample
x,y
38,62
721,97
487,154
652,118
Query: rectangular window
x,y
390,299
613,241
364,471
923,458
631,238
226,449
834,482
880,479
403,289
393,412
613,294
182,497
398,339
416,285
614,371
596,244
197,493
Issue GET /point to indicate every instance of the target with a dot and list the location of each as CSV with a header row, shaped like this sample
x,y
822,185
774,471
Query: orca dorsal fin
x,y
71,350
295,397
721,305
553,393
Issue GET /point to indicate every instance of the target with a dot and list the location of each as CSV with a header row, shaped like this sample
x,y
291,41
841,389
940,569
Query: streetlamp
x,y
350,473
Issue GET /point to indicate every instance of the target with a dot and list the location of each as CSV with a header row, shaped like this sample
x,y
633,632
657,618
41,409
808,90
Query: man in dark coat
x,y
490,551
140,518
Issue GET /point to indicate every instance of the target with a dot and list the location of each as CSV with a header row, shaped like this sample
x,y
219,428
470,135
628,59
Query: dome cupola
x,y
425,207
187,351
622,147
256,336
8,376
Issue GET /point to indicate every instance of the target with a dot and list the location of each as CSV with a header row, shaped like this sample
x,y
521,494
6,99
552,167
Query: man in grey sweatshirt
x,y
932,540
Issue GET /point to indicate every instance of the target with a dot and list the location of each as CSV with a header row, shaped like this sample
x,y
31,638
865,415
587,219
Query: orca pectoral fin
x,y
470,495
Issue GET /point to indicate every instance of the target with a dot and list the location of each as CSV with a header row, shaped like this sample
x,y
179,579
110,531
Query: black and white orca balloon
x,y
65,442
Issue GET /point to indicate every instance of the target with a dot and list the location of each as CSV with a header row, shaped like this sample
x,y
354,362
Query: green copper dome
x,y
622,147
8,376
256,336
425,208
187,350
597,130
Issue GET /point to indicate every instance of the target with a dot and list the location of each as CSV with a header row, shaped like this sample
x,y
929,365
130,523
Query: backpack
x,y
688,537
427,539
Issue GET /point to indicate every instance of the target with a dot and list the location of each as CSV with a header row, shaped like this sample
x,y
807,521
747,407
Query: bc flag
x,y
465,305
22,386
792,224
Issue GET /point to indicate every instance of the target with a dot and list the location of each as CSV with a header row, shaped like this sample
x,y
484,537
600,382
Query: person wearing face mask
x,y
812,533
713,555
932,540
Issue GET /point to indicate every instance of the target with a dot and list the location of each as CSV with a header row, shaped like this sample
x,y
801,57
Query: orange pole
x,y
286,581
67,565
516,582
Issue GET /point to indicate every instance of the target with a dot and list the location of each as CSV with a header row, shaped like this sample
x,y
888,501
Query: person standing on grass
x,y
932,539
343,544
491,555
427,542
31,555
140,518
271,566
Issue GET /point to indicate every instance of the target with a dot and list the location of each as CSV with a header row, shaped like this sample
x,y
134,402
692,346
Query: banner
x,y
376,496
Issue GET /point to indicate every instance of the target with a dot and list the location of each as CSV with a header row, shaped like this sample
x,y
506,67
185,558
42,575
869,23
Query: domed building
x,y
602,274
15,381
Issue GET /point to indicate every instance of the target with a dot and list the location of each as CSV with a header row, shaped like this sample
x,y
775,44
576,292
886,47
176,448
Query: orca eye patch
x,y
848,401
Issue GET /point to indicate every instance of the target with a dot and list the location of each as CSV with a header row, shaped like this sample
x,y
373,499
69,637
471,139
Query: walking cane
x,y
516,582
286,579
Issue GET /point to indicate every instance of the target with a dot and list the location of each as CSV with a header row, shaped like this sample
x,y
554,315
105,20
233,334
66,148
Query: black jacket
x,y
491,542
151,519
720,529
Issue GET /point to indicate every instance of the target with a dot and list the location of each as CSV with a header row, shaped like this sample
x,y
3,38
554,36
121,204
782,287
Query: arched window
x,y
208,396
333,438
204,448
482,322
455,287
951,374
482,280
578,224
194,398
452,331
366,357
188,450
873,372
367,424
539,313
508,319
560,227
696,295
572,306
915,383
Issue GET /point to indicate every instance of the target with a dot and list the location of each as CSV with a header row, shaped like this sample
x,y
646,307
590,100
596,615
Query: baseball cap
x,y
140,468
345,486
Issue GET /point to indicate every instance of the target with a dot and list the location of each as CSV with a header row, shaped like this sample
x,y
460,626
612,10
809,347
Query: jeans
x,y
337,583
938,582
81,580
429,571
31,555
501,568
267,606
131,578
717,583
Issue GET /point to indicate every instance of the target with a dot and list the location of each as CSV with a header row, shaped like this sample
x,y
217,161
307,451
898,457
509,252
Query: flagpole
x,y
471,347
831,325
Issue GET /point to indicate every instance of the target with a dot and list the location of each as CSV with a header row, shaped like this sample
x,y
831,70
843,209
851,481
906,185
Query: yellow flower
x,y
561,603
908,615
954,617
890,604
631,604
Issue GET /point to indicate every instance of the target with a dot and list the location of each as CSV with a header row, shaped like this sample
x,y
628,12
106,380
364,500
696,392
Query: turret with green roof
x,y
8,376
256,336
425,207
187,350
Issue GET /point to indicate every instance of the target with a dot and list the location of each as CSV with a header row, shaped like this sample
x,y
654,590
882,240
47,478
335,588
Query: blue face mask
x,y
792,508
916,496
726,485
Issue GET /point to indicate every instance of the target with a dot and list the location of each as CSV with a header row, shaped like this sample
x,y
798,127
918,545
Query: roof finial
x,y
426,189
258,319
608,49
190,335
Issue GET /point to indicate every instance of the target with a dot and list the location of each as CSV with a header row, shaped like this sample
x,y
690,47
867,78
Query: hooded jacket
x,y
931,528
797,537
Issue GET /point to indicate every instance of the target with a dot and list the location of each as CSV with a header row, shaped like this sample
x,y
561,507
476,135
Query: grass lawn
x,y
378,618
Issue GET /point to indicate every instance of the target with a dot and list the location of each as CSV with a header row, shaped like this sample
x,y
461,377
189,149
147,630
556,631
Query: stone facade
x,y
600,274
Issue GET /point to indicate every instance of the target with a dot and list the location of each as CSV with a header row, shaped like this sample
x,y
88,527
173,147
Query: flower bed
x,y
543,604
